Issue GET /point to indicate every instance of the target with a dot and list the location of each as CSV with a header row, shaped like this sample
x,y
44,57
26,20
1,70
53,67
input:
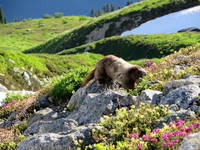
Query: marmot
x,y
114,68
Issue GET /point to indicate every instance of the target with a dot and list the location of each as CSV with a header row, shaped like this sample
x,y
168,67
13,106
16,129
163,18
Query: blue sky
x,y
36,8
170,23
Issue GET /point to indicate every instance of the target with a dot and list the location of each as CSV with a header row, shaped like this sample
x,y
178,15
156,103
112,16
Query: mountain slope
x,y
114,23
29,33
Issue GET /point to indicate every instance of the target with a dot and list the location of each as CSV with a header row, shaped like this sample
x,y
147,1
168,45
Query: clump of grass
x,y
63,87
12,96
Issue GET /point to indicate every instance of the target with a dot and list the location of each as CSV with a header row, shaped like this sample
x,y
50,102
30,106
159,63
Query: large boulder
x,y
150,96
3,88
189,80
96,105
191,142
184,96
53,141
52,126
176,115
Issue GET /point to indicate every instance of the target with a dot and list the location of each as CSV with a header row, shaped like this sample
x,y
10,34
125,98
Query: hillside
x,y
135,47
30,33
114,23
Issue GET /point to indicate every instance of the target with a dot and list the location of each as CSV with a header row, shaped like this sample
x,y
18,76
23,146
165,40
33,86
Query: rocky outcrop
x,y
53,130
191,142
178,94
191,29
87,105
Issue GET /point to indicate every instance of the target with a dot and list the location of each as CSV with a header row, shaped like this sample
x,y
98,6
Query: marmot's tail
x,y
89,77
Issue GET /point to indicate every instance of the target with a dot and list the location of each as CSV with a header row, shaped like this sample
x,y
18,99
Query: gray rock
x,y
178,68
183,96
3,88
94,106
191,142
171,85
174,107
180,57
11,61
78,97
43,101
6,124
52,141
26,77
178,115
52,126
28,30
43,115
191,29
150,96
17,70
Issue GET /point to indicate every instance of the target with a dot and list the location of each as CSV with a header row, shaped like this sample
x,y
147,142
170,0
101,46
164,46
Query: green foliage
x,y
135,47
64,86
58,15
11,96
41,65
46,16
13,36
126,121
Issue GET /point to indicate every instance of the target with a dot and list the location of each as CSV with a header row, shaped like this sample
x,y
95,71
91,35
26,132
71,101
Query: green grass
x,y
41,65
135,47
78,36
13,36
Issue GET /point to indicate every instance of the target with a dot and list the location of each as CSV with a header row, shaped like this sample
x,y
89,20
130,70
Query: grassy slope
x,y
43,66
139,46
77,37
13,36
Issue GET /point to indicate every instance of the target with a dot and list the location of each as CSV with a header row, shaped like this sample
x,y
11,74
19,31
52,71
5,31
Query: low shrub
x,y
64,86
46,16
11,137
126,121
134,129
58,15
11,96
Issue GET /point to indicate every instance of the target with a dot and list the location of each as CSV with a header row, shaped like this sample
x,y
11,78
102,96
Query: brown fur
x,y
114,68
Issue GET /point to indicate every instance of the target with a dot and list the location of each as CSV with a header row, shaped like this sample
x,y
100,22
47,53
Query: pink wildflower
x,y
178,123
140,146
146,137
182,134
134,135
154,140
156,130
170,143
176,141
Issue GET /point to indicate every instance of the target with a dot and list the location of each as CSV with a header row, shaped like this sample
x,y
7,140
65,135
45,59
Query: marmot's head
x,y
136,72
